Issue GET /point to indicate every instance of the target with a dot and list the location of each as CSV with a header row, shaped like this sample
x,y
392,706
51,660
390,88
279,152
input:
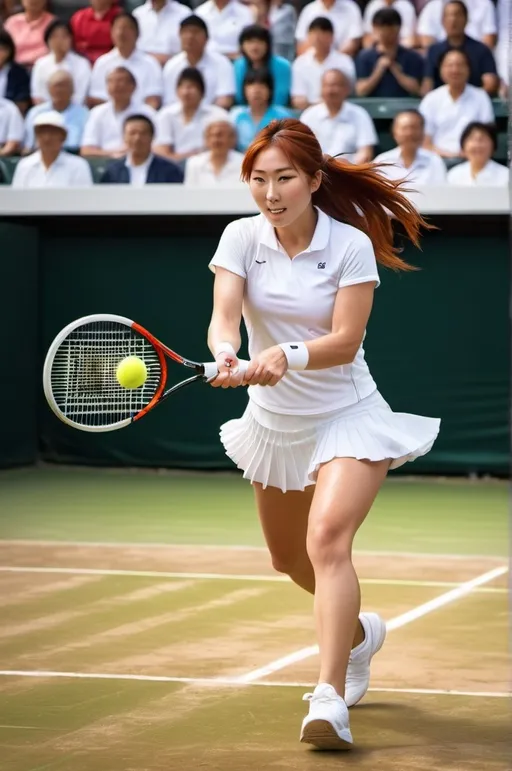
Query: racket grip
x,y
210,368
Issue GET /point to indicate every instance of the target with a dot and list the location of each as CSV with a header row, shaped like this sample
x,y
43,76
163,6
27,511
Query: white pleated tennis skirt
x,y
286,451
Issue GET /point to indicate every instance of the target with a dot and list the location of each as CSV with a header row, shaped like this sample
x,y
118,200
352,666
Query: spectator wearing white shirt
x,y
140,166
504,46
225,20
59,39
345,17
216,69
181,125
60,87
340,126
145,69
407,13
478,143
103,133
11,128
448,109
159,23
321,56
51,166
481,22
221,164
409,159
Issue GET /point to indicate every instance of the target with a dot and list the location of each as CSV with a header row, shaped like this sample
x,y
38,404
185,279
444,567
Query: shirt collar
x,y
129,164
318,242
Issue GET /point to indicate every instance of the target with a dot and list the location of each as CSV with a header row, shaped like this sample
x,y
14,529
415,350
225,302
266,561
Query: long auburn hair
x,y
356,194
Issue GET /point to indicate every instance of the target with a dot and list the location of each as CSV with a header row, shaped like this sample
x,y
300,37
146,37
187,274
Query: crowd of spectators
x,y
170,92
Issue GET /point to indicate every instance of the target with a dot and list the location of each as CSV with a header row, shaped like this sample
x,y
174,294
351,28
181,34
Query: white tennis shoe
x,y
327,724
358,670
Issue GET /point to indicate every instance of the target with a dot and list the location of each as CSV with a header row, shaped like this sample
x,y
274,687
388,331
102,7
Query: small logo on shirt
x,y
261,262
321,265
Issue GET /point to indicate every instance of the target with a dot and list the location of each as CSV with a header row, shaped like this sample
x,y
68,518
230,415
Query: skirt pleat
x,y
290,459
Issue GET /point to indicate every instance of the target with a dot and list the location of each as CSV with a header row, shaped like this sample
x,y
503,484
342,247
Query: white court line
x,y
405,618
233,682
229,577
235,547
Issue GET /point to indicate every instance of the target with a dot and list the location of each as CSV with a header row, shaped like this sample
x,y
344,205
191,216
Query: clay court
x,y
144,629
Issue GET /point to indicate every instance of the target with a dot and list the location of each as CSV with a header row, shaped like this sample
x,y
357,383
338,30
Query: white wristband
x,y
224,348
297,354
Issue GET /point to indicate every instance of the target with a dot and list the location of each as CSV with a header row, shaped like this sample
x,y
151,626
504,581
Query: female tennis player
x,y
317,439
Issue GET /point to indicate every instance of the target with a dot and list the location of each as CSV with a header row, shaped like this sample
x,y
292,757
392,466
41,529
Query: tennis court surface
x,y
144,629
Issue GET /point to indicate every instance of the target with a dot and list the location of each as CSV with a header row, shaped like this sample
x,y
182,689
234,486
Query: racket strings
x,y
83,377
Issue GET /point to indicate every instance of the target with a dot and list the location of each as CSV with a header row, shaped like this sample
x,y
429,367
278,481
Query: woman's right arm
x,y
224,338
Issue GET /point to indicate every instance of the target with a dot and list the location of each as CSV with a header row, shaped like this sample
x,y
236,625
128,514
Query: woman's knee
x,y
289,562
329,539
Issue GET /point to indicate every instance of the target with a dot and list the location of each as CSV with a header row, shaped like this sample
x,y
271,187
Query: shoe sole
x,y
322,734
382,640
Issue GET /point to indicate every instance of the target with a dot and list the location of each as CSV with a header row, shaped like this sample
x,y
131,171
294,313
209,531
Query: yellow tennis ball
x,y
131,372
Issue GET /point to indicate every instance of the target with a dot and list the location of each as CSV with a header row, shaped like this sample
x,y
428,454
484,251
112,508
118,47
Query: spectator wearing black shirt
x,y
388,69
483,65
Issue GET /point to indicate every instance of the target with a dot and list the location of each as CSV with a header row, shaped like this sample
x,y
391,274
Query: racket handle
x,y
210,368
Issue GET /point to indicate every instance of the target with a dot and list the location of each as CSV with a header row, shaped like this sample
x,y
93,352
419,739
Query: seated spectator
x,y
504,47
181,125
342,128
307,69
216,69
11,128
410,160
51,166
256,48
225,20
407,14
260,110
478,143
448,109
220,165
91,28
146,71
345,17
60,88
282,20
482,64
388,70
103,132
27,30
159,22
14,79
59,39
481,25
140,167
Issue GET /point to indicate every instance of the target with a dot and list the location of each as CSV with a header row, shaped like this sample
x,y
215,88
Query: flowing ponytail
x,y
356,194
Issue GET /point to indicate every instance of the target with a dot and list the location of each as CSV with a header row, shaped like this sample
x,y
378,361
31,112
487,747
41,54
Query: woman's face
x,y
454,69
281,192
257,94
60,41
478,146
34,6
255,49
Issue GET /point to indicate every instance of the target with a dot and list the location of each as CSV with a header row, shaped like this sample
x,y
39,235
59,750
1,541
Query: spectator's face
x,y
478,147
101,5
193,40
257,94
138,138
335,88
124,33
321,40
408,130
386,35
120,87
255,49
60,41
454,19
50,138
189,94
454,69
220,137
34,6
60,89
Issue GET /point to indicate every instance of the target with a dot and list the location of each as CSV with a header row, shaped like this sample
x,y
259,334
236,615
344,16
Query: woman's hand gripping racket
x,y
80,372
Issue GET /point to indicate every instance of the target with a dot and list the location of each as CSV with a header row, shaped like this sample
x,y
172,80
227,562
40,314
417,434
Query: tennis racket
x,y
79,374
